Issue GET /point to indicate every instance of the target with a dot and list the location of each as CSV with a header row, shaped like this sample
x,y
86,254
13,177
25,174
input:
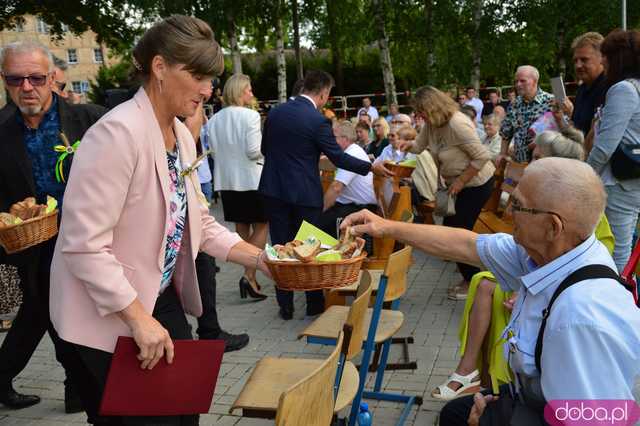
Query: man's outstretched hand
x,y
378,168
365,222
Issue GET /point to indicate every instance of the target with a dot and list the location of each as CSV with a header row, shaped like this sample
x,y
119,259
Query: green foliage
x,y
113,77
536,32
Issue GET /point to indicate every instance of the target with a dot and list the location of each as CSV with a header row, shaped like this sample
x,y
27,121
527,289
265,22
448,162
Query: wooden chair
x,y
493,219
398,208
382,325
327,172
310,401
273,376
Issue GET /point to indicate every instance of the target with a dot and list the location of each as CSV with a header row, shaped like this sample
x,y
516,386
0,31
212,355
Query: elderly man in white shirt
x,y
349,192
588,351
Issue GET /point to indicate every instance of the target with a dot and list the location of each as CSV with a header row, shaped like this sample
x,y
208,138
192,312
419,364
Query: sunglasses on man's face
x,y
17,81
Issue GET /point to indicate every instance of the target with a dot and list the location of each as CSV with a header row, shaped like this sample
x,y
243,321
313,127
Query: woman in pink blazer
x,y
133,221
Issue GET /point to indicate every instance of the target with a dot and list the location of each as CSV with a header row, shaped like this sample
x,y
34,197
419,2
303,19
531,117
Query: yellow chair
x,y
273,376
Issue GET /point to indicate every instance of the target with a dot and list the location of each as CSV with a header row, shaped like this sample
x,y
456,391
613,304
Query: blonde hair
x,y
234,88
591,38
385,126
406,132
435,105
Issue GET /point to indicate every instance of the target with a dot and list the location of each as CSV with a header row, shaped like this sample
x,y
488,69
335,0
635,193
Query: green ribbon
x,y
64,151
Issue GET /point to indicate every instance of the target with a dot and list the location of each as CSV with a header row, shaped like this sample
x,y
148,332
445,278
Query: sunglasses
x,y
61,85
34,80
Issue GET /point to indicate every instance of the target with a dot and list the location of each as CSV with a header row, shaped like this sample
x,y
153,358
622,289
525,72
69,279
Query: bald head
x,y
569,187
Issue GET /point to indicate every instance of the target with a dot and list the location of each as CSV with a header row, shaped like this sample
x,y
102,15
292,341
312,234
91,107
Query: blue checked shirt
x,y
591,347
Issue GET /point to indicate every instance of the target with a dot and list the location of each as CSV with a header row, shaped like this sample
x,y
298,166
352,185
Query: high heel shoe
x,y
247,289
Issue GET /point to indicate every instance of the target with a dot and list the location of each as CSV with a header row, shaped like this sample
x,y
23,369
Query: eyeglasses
x,y
515,206
17,81
61,85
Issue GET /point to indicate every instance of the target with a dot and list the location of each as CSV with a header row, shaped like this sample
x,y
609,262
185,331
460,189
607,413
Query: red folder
x,y
184,387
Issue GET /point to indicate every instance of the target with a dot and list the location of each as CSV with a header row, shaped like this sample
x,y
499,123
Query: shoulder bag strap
x,y
585,273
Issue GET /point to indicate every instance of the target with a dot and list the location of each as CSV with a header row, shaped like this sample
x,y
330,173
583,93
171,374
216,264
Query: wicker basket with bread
x,y
28,224
306,265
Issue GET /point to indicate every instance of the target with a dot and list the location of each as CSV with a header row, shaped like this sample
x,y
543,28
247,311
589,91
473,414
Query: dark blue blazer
x,y
294,135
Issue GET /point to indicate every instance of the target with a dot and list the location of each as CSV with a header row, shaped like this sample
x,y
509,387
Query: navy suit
x,y
294,136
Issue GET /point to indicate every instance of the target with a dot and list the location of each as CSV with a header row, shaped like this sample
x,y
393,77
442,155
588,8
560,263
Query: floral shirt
x,y
177,217
40,143
518,121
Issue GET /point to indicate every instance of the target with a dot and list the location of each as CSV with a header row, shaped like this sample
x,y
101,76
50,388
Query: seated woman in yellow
x,y
488,308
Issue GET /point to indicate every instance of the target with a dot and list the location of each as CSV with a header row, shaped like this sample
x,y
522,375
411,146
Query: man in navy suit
x,y
294,136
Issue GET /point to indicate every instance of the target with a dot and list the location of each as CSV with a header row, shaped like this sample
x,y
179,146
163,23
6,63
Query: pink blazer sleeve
x,y
94,199
217,241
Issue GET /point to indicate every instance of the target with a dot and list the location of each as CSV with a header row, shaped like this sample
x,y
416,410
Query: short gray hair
x,y
572,188
567,143
531,70
347,129
25,46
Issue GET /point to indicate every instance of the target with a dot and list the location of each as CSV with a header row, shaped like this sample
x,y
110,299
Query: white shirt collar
x,y
314,104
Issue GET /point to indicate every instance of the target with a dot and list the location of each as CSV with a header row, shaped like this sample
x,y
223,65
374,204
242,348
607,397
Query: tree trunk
x,y
296,39
236,57
281,64
336,54
562,35
385,55
476,49
429,48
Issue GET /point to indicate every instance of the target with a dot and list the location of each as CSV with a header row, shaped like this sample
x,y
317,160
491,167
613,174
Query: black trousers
x,y
469,203
88,368
284,221
456,412
208,326
31,321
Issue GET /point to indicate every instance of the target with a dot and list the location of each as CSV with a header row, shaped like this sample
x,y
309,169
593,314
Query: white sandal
x,y
445,393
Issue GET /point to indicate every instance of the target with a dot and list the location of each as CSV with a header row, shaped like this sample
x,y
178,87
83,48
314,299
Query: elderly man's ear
x,y
555,227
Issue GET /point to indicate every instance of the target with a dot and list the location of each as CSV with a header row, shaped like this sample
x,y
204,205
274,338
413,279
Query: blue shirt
x,y
591,347
40,143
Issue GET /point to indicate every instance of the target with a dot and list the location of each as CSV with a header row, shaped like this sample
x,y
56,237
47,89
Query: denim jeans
x,y
207,190
622,212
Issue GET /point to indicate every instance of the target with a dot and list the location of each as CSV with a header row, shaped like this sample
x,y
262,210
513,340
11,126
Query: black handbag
x,y
625,161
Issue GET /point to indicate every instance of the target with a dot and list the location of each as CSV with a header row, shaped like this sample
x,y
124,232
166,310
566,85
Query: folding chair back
x,y
311,400
356,316
396,272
